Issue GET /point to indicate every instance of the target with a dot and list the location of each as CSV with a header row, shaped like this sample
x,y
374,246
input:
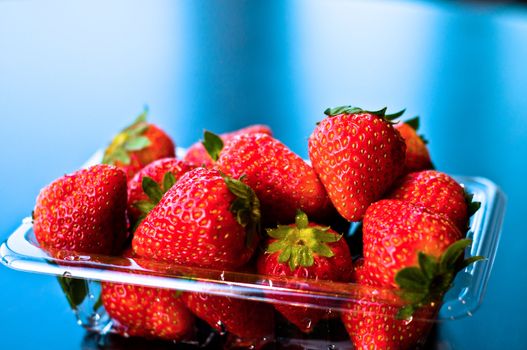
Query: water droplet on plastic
x,y
91,296
222,328
449,307
332,347
97,317
66,274
222,276
469,313
79,322
308,323
408,320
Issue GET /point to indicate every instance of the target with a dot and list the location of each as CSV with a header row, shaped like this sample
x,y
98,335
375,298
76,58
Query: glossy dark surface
x,y
73,73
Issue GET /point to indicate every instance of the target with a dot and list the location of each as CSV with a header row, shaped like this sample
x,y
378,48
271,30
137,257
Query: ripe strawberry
x,y
358,155
84,211
411,248
283,181
138,145
305,250
148,186
204,220
249,320
417,155
435,191
198,154
372,323
147,312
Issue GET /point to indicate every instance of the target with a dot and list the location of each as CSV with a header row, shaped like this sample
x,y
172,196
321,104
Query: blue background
x,y
74,73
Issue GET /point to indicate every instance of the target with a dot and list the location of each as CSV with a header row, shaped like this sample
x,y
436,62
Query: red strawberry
x,y
411,248
372,323
417,155
357,155
309,251
84,211
138,145
148,186
283,181
249,320
147,312
198,155
204,220
435,191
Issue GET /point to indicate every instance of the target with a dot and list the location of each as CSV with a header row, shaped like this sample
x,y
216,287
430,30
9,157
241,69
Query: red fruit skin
x,y
417,155
337,268
371,323
161,146
283,181
249,320
156,171
147,312
395,231
198,155
435,191
83,212
357,157
193,226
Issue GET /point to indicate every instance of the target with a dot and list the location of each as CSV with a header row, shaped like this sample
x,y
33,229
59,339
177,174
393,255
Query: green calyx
x,y
472,206
213,144
354,110
154,192
413,123
128,140
298,244
245,207
427,283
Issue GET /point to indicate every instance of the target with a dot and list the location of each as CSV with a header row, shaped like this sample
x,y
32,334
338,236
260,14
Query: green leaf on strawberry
x,y
428,282
246,207
413,122
129,140
75,290
213,144
154,192
298,244
472,206
354,110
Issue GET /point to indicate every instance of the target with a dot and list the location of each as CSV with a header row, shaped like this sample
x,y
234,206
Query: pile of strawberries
x,y
242,201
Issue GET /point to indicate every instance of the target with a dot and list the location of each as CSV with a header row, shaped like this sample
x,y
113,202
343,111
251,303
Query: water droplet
x,y
91,296
97,317
469,313
79,322
407,321
308,323
449,307
332,347
222,328
66,274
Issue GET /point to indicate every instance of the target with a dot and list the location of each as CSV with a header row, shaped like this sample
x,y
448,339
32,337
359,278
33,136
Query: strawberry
x,y
305,250
84,211
204,220
372,323
417,155
138,145
147,312
283,181
413,249
249,320
198,153
358,155
148,186
435,191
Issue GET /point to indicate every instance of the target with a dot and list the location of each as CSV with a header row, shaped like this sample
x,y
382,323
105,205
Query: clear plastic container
x,y
21,251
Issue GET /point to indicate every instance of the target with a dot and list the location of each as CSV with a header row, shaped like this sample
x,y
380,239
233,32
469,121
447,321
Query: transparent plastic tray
x,y
21,251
